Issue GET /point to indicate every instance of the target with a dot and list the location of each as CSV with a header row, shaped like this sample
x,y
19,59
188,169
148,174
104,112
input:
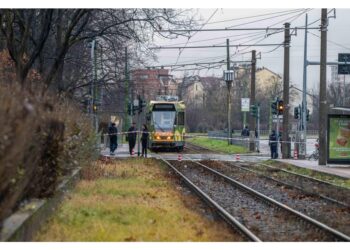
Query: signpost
x,y
338,139
344,69
245,104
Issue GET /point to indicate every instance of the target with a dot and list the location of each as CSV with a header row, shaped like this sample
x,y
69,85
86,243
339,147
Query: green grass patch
x,y
130,200
217,145
309,172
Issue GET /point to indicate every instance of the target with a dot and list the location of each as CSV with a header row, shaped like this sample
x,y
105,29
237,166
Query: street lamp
x,y
228,77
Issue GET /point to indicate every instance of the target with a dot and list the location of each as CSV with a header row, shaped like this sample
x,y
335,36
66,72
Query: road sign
x,y
274,118
245,104
228,75
344,69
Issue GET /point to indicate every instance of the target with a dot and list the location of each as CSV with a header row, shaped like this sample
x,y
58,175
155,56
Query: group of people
x,y
130,137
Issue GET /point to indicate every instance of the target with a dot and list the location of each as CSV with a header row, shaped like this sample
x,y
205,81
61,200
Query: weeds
x,y
130,200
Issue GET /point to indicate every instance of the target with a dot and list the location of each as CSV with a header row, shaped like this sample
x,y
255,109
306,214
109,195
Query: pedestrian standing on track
x,y
144,140
273,145
113,138
131,137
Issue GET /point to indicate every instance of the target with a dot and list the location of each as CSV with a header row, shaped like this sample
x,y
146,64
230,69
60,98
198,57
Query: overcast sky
x,y
338,32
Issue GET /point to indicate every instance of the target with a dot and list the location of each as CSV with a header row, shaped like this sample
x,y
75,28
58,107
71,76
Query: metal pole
x,y
92,85
303,139
228,94
138,129
244,113
126,98
270,118
322,132
278,131
285,133
258,137
252,102
96,88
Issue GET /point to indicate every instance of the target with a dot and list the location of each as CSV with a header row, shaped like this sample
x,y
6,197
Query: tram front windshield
x,y
163,120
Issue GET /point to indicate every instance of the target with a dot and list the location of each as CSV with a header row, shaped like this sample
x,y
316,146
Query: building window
x,y
143,77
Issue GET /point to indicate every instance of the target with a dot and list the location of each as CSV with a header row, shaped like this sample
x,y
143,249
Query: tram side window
x,y
181,118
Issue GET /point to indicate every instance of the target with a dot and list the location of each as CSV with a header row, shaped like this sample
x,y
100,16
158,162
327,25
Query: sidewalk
x,y
122,151
342,171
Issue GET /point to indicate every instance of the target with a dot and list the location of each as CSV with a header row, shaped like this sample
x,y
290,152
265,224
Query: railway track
x,y
330,212
198,149
306,183
255,215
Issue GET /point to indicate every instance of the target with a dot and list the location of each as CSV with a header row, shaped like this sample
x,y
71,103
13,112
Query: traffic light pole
x,y
285,133
322,132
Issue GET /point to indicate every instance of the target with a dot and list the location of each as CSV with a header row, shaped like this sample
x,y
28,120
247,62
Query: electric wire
x,y
212,15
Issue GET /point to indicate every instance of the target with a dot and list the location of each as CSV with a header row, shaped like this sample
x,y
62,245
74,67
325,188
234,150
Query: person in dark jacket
x,y
245,131
144,140
131,137
113,138
273,144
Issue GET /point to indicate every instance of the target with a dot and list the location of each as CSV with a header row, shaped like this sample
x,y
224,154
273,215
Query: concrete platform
x,y
342,171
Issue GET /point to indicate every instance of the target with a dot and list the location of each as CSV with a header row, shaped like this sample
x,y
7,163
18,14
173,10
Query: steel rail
x,y
308,177
200,147
289,185
222,212
320,225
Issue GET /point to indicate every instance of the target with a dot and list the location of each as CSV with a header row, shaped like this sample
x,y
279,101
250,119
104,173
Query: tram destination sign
x,y
344,69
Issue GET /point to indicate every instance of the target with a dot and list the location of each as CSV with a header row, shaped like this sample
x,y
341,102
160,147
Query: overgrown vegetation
x,y
309,172
217,145
130,200
43,137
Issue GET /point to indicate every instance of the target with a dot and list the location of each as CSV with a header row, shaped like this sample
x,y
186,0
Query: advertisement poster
x,y
338,139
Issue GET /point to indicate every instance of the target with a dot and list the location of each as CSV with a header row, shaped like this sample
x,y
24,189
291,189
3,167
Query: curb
x,y
26,222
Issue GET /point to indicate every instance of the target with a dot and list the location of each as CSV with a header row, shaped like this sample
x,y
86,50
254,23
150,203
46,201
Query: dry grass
x,y
131,200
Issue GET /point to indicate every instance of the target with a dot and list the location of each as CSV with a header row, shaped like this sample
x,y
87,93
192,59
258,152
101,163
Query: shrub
x,y
42,138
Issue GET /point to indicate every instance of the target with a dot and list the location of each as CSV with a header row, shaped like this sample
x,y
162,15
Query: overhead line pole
x,y
322,132
252,102
302,148
285,134
228,93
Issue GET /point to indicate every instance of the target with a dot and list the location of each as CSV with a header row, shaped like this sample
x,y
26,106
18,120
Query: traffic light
x,y
296,113
308,115
131,110
274,108
254,110
142,103
280,107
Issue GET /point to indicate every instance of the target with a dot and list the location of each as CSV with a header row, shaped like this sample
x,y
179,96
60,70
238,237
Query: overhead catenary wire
x,y
180,52
268,18
254,16
335,43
